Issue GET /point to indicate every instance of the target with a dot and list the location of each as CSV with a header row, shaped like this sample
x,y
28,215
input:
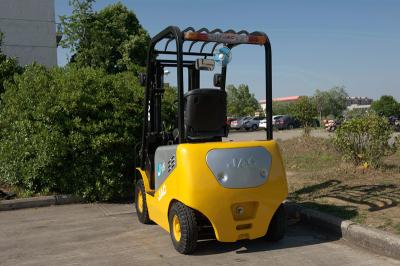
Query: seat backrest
x,y
205,114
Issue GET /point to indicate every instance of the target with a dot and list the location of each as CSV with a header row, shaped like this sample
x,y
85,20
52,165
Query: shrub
x,y
365,140
70,130
8,67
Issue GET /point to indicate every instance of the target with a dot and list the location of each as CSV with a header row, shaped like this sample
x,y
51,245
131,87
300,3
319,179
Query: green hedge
x,y
70,130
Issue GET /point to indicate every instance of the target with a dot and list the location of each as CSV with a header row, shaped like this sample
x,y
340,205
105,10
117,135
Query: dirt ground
x,y
318,178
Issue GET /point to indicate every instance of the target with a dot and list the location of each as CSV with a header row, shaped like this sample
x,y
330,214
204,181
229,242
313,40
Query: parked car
x,y
239,123
395,122
263,122
253,123
286,122
229,121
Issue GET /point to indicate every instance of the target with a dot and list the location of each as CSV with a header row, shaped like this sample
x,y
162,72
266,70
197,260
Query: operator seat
x,y
205,115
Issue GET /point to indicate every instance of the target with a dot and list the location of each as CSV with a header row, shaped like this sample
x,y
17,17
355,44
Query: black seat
x,y
205,114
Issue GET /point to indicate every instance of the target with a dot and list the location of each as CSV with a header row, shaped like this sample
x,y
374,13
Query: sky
x,y
315,44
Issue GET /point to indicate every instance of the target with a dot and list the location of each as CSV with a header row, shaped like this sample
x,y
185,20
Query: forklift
x,y
189,180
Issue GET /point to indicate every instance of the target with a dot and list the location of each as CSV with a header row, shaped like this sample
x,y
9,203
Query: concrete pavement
x,y
109,234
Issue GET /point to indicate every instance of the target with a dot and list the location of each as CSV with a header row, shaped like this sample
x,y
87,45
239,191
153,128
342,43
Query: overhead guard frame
x,y
173,33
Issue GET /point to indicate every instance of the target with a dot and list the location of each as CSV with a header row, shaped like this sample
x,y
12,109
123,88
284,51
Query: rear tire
x,y
183,228
277,227
141,203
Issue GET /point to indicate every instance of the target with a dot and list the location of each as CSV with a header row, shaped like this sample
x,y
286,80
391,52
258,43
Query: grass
x,y
319,179
19,193
397,228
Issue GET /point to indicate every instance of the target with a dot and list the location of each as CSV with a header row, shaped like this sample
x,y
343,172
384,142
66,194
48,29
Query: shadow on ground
x,y
376,197
297,235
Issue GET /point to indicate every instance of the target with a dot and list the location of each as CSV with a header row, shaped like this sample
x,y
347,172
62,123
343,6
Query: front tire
x,y
141,203
277,227
183,228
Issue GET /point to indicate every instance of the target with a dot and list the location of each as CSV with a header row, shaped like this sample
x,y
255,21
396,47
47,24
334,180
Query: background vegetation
x,y
304,110
386,106
70,130
365,139
111,39
241,102
73,129
8,67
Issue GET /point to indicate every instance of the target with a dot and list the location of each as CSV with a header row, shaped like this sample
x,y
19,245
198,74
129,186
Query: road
x,y
109,234
281,134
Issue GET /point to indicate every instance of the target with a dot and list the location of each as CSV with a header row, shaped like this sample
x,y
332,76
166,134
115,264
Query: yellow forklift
x,y
188,180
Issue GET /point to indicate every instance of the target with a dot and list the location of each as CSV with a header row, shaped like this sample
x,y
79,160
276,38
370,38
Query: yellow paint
x,y
193,184
176,228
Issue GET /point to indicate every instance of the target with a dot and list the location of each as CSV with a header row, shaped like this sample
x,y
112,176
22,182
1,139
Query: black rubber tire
x,y
189,230
277,227
144,215
254,127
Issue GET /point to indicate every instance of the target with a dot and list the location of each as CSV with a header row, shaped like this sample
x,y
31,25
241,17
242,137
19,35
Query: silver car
x,y
238,123
253,123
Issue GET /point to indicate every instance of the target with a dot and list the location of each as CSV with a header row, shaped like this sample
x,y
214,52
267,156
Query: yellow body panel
x,y
193,184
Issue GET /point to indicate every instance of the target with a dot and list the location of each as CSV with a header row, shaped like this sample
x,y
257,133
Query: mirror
x,y
217,80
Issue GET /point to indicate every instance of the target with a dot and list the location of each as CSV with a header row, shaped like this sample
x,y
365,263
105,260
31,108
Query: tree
x,y
305,110
8,67
386,106
281,108
111,39
331,102
241,102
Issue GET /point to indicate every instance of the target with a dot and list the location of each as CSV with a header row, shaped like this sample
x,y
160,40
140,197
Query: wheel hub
x,y
140,201
176,227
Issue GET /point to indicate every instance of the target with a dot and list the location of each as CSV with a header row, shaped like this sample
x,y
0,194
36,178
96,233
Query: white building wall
x,y
29,31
